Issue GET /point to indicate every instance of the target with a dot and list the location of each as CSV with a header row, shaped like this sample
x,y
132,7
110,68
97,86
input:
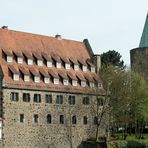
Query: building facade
x,y
139,56
47,87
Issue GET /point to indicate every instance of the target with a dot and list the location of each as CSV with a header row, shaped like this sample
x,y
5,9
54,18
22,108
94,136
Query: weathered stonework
x,y
139,61
41,134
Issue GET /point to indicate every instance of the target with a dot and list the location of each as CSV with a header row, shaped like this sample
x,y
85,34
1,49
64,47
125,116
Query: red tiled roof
x,y
46,47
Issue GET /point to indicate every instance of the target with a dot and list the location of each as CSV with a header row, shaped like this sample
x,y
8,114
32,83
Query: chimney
x,y
97,62
4,27
58,36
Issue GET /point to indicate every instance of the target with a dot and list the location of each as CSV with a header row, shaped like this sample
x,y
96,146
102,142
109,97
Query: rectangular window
x,y
49,64
36,118
71,100
58,65
26,97
19,60
16,77
67,66
26,78
65,82
56,81
92,84
61,119
39,62
85,100
46,80
30,61
83,83
76,67
59,99
14,96
92,69
48,98
21,118
74,82
9,59
37,79
100,85
84,68
37,98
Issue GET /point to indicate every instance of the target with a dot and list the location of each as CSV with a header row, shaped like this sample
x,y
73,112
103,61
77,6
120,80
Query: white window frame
x,y
46,80
49,64
74,82
56,81
16,77
36,79
91,84
83,83
26,78
92,69
84,68
30,61
76,67
40,62
67,66
9,59
65,82
58,65
19,60
100,85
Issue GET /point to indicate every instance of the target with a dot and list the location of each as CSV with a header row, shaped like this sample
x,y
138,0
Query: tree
x,y
128,98
112,57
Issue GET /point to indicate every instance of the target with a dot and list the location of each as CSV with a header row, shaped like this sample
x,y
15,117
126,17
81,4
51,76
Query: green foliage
x,y
112,57
129,144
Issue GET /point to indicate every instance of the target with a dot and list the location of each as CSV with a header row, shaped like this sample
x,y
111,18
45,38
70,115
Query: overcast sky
x,y
108,24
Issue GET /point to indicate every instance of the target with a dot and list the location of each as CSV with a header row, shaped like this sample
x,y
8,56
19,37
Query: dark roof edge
x,y
88,47
81,93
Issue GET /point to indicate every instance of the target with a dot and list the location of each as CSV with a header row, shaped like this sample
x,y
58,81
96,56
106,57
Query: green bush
x,y
130,144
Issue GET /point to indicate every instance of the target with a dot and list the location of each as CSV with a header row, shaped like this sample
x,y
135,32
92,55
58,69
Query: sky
x,y
107,24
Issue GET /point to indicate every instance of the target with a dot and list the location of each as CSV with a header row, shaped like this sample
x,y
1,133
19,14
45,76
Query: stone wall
x,y
41,134
139,61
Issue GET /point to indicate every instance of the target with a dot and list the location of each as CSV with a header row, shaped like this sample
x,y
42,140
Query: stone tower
x,y
139,56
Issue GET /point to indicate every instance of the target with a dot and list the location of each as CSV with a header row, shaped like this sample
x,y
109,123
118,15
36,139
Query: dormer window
x,y
16,77
46,80
65,82
92,69
74,82
58,65
36,79
30,61
83,83
100,85
67,66
19,60
40,62
49,64
14,72
76,67
56,81
26,78
91,84
84,68
9,59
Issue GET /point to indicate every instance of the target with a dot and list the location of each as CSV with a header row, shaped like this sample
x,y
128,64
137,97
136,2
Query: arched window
x,y
48,118
85,120
74,120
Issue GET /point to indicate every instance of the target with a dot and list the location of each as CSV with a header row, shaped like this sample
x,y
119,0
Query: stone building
x,y
139,56
47,86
